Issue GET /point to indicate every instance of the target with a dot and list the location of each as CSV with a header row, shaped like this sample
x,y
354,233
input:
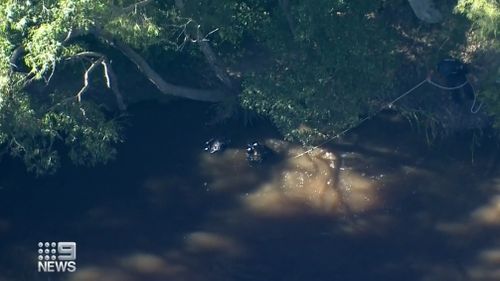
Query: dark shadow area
x,y
167,210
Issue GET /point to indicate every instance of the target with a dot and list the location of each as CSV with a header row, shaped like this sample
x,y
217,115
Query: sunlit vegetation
x,y
313,68
484,38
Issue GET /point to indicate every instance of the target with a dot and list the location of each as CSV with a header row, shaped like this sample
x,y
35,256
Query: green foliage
x,y
38,128
485,18
41,26
142,30
338,65
484,14
36,135
233,19
326,63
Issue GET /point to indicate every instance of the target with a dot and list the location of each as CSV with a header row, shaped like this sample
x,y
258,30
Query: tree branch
x,y
213,60
119,11
112,83
109,75
135,6
88,54
156,79
86,78
73,33
208,52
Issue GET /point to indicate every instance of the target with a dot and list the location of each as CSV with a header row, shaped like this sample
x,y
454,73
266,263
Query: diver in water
x,y
454,72
257,153
215,145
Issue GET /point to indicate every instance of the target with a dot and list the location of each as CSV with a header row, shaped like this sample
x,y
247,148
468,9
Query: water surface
x,y
377,205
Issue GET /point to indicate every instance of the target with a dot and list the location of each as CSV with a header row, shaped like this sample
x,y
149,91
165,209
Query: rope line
x,y
472,110
406,93
336,136
446,88
389,105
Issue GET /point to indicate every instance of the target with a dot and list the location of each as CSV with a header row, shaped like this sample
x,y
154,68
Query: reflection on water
x,y
489,214
378,205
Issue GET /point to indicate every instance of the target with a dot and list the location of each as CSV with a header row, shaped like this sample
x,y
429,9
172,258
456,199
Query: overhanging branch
x,y
156,79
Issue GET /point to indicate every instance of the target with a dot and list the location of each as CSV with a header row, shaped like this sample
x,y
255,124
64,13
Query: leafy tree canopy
x,y
312,67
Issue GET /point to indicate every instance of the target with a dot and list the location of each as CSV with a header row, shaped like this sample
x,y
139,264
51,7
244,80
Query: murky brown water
x,y
380,205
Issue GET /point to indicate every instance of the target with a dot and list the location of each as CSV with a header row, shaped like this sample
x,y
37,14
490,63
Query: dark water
x,y
379,205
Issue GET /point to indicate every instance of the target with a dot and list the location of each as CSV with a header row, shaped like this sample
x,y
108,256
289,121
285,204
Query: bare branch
x,y
106,73
109,74
86,78
118,11
73,33
88,54
210,33
213,60
112,83
47,81
135,6
182,32
208,52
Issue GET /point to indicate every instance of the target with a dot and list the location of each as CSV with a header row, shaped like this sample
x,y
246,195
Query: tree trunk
x,y
426,11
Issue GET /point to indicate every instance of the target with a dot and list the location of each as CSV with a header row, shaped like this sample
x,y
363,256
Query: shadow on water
x,y
378,205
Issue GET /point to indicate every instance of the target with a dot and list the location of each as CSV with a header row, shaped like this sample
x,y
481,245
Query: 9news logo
x,y
56,257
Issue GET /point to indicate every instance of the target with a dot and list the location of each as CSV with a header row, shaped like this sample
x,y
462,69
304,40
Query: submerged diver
x,y
257,153
454,72
215,145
